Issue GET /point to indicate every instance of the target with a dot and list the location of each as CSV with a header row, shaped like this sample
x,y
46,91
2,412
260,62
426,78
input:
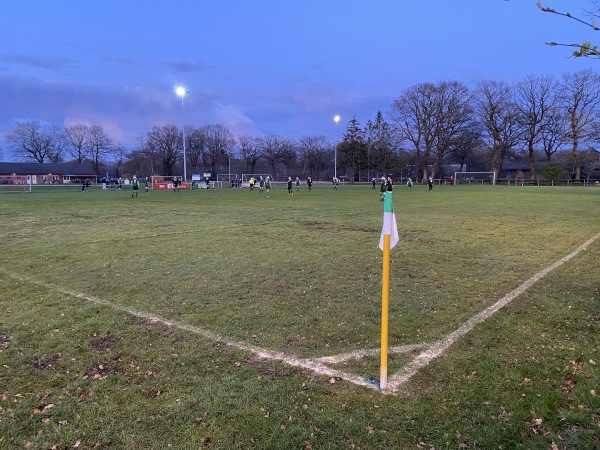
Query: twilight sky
x,y
261,67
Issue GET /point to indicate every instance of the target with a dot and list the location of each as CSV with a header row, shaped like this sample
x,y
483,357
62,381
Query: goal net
x,y
229,179
15,183
246,178
474,178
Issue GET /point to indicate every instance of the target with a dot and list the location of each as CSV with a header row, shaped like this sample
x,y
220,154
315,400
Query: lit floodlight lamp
x,y
182,92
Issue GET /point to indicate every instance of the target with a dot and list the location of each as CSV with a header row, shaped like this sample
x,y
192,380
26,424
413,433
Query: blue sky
x,y
261,67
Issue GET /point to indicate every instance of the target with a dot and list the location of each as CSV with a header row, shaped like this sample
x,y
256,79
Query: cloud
x,y
236,120
123,61
185,66
56,63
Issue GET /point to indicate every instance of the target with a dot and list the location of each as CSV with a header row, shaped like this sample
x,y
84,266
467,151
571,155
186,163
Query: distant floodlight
x,y
336,119
181,91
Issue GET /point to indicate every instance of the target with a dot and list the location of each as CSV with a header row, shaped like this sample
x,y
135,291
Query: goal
x,y
227,177
246,178
10,186
475,178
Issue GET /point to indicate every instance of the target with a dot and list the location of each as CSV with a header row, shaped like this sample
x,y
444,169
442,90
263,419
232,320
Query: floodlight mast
x,y
336,119
182,92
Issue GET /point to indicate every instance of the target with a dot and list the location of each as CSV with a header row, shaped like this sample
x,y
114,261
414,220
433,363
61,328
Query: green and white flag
x,y
389,222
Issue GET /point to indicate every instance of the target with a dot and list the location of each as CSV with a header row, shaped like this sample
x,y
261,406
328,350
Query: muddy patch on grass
x,y
98,371
105,343
47,362
272,371
326,226
4,340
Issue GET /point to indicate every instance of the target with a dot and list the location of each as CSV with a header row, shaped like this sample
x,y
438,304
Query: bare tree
x,y
413,115
99,144
249,151
454,117
314,153
431,117
30,141
219,143
585,48
148,157
464,147
195,146
165,143
535,97
580,99
277,151
76,140
497,112
120,155
554,134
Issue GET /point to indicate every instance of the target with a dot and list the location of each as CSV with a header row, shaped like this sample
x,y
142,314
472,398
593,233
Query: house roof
x,y
68,169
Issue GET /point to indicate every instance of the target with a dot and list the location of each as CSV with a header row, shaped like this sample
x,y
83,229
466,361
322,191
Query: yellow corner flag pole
x,y
385,286
387,241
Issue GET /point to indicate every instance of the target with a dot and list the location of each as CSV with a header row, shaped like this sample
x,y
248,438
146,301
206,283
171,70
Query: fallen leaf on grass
x,y
43,409
77,443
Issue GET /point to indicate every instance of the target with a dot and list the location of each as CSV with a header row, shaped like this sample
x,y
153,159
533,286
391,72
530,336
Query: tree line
x,y
427,127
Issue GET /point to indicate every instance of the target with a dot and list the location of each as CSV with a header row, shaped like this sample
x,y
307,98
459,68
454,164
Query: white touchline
x,y
318,365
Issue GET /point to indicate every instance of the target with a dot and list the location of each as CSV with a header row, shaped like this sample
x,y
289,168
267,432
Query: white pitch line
x,y
317,365
438,348
312,365
342,357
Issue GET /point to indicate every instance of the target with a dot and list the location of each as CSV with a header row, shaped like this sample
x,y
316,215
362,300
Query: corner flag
x,y
389,222
389,238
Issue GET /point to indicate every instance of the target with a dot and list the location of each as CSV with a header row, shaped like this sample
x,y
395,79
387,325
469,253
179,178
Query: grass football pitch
x,y
226,319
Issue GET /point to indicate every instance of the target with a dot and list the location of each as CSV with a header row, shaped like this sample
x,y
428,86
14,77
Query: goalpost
x,y
246,178
15,183
230,178
8,188
475,178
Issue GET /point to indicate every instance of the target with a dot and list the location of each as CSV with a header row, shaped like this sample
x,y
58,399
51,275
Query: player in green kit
x,y
261,183
268,184
135,186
